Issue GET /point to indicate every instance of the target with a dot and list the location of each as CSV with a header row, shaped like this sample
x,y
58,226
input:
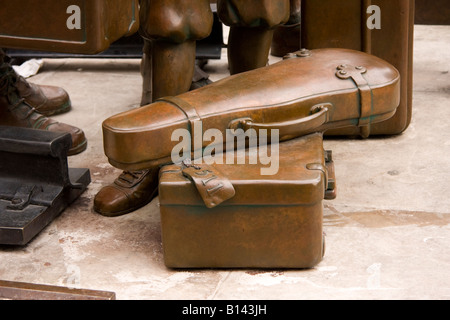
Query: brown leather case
x,y
343,24
43,24
309,91
436,12
270,222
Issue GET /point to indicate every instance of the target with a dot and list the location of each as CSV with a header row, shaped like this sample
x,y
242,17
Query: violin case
x,y
308,91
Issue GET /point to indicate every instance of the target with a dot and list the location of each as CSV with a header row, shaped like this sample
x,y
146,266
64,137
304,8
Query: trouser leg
x,y
252,24
170,29
287,37
248,48
167,68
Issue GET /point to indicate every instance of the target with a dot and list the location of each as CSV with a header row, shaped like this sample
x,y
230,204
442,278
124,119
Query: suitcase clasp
x,y
212,185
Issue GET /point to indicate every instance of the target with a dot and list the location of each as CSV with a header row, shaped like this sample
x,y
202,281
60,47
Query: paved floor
x,y
388,232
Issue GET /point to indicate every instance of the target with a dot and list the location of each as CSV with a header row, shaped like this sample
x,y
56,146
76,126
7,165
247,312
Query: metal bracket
x,y
331,192
302,53
355,73
329,175
36,184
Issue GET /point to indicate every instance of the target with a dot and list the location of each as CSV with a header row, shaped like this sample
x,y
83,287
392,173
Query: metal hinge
x,y
302,53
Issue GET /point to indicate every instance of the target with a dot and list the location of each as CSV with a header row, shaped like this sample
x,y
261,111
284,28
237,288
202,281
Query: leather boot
x,y
47,100
16,112
167,70
129,192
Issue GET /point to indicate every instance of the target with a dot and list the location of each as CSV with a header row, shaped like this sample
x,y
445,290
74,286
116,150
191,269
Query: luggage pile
x,y
231,205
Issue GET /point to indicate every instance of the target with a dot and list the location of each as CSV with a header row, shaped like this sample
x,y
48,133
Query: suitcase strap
x,y
347,71
212,185
190,113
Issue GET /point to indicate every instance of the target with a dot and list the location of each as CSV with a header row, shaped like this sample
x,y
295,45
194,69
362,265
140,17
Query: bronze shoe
x,y
129,192
47,100
15,112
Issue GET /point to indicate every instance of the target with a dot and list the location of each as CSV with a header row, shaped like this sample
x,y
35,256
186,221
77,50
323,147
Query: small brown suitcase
x,y
271,222
353,24
67,26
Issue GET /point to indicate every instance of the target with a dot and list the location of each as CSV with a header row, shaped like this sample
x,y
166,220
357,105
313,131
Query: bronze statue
x,y
271,221
252,23
170,29
309,91
24,104
287,37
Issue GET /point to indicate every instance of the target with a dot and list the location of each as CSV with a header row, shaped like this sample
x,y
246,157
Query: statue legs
x,y
248,48
167,69
170,29
252,24
287,37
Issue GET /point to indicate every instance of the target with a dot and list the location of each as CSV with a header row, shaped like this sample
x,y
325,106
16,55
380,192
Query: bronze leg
x,y
170,29
287,37
248,48
167,69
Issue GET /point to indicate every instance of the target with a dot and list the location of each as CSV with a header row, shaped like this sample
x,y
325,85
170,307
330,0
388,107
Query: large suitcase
x,y
436,12
67,26
270,222
310,91
383,28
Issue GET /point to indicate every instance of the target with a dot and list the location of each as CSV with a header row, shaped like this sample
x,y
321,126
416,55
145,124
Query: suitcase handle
x,y
293,128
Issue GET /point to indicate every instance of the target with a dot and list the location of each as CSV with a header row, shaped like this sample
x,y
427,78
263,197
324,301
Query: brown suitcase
x,y
344,24
271,222
436,12
311,91
67,26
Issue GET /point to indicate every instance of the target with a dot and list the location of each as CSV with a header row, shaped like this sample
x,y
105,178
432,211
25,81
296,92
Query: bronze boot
x,y
16,112
129,192
47,100
167,69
